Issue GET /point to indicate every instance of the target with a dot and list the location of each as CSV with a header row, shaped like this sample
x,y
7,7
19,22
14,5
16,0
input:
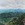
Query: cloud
x,y
12,3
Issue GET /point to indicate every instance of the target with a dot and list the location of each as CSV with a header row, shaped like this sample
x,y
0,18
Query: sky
x,y
12,4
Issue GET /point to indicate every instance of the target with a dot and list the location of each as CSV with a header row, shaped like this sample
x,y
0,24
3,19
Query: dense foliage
x,y
18,21
17,18
11,14
1,24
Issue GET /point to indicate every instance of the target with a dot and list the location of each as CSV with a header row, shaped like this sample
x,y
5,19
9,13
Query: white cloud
x,y
12,3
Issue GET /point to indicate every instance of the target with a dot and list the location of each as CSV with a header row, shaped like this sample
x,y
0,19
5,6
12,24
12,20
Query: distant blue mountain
x,y
11,10
15,10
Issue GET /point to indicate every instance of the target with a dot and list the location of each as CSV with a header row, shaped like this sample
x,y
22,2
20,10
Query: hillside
x,y
10,14
5,17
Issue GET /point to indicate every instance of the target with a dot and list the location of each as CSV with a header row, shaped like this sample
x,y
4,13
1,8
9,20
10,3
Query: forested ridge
x,y
11,14
17,18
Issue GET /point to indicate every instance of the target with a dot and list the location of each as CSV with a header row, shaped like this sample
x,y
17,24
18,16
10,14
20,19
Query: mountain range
x,y
11,10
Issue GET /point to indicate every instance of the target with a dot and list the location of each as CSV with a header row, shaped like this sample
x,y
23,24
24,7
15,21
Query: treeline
x,y
11,14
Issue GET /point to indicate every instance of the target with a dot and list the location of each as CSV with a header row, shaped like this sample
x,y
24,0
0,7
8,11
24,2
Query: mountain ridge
x,y
11,10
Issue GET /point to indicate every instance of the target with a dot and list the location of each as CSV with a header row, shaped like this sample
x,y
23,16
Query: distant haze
x,y
11,10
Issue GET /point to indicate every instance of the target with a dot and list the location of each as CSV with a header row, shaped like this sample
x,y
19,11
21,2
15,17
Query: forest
x,y
12,18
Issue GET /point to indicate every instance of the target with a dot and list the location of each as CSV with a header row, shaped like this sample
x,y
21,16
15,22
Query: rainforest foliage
x,y
15,17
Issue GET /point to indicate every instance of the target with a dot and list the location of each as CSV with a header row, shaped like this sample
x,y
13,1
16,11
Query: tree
x,y
19,21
